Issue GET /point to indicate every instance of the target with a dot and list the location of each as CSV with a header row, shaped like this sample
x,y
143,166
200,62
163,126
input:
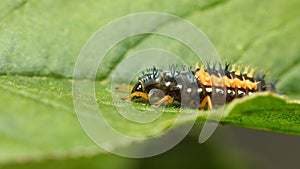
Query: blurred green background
x,y
41,39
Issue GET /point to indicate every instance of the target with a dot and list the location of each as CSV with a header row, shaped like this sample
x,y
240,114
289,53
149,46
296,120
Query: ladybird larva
x,y
198,86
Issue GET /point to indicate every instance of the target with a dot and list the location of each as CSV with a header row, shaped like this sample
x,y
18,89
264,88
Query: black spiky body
x,y
189,87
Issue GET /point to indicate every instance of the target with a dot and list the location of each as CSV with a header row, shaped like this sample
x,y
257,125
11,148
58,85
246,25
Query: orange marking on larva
x,y
216,81
246,69
197,66
232,68
229,82
255,85
238,71
243,83
250,85
237,83
212,80
250,75
203,76
202,68
226,81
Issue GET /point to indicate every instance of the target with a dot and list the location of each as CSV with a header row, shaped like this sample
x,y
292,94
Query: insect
x,y
202,87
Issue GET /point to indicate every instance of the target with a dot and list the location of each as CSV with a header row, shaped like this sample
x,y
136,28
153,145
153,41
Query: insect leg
x,y
136,94
167,99
206,101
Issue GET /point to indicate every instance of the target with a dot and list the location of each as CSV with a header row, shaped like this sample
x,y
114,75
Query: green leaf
x,y
97,161
40,41
37,120
265,111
